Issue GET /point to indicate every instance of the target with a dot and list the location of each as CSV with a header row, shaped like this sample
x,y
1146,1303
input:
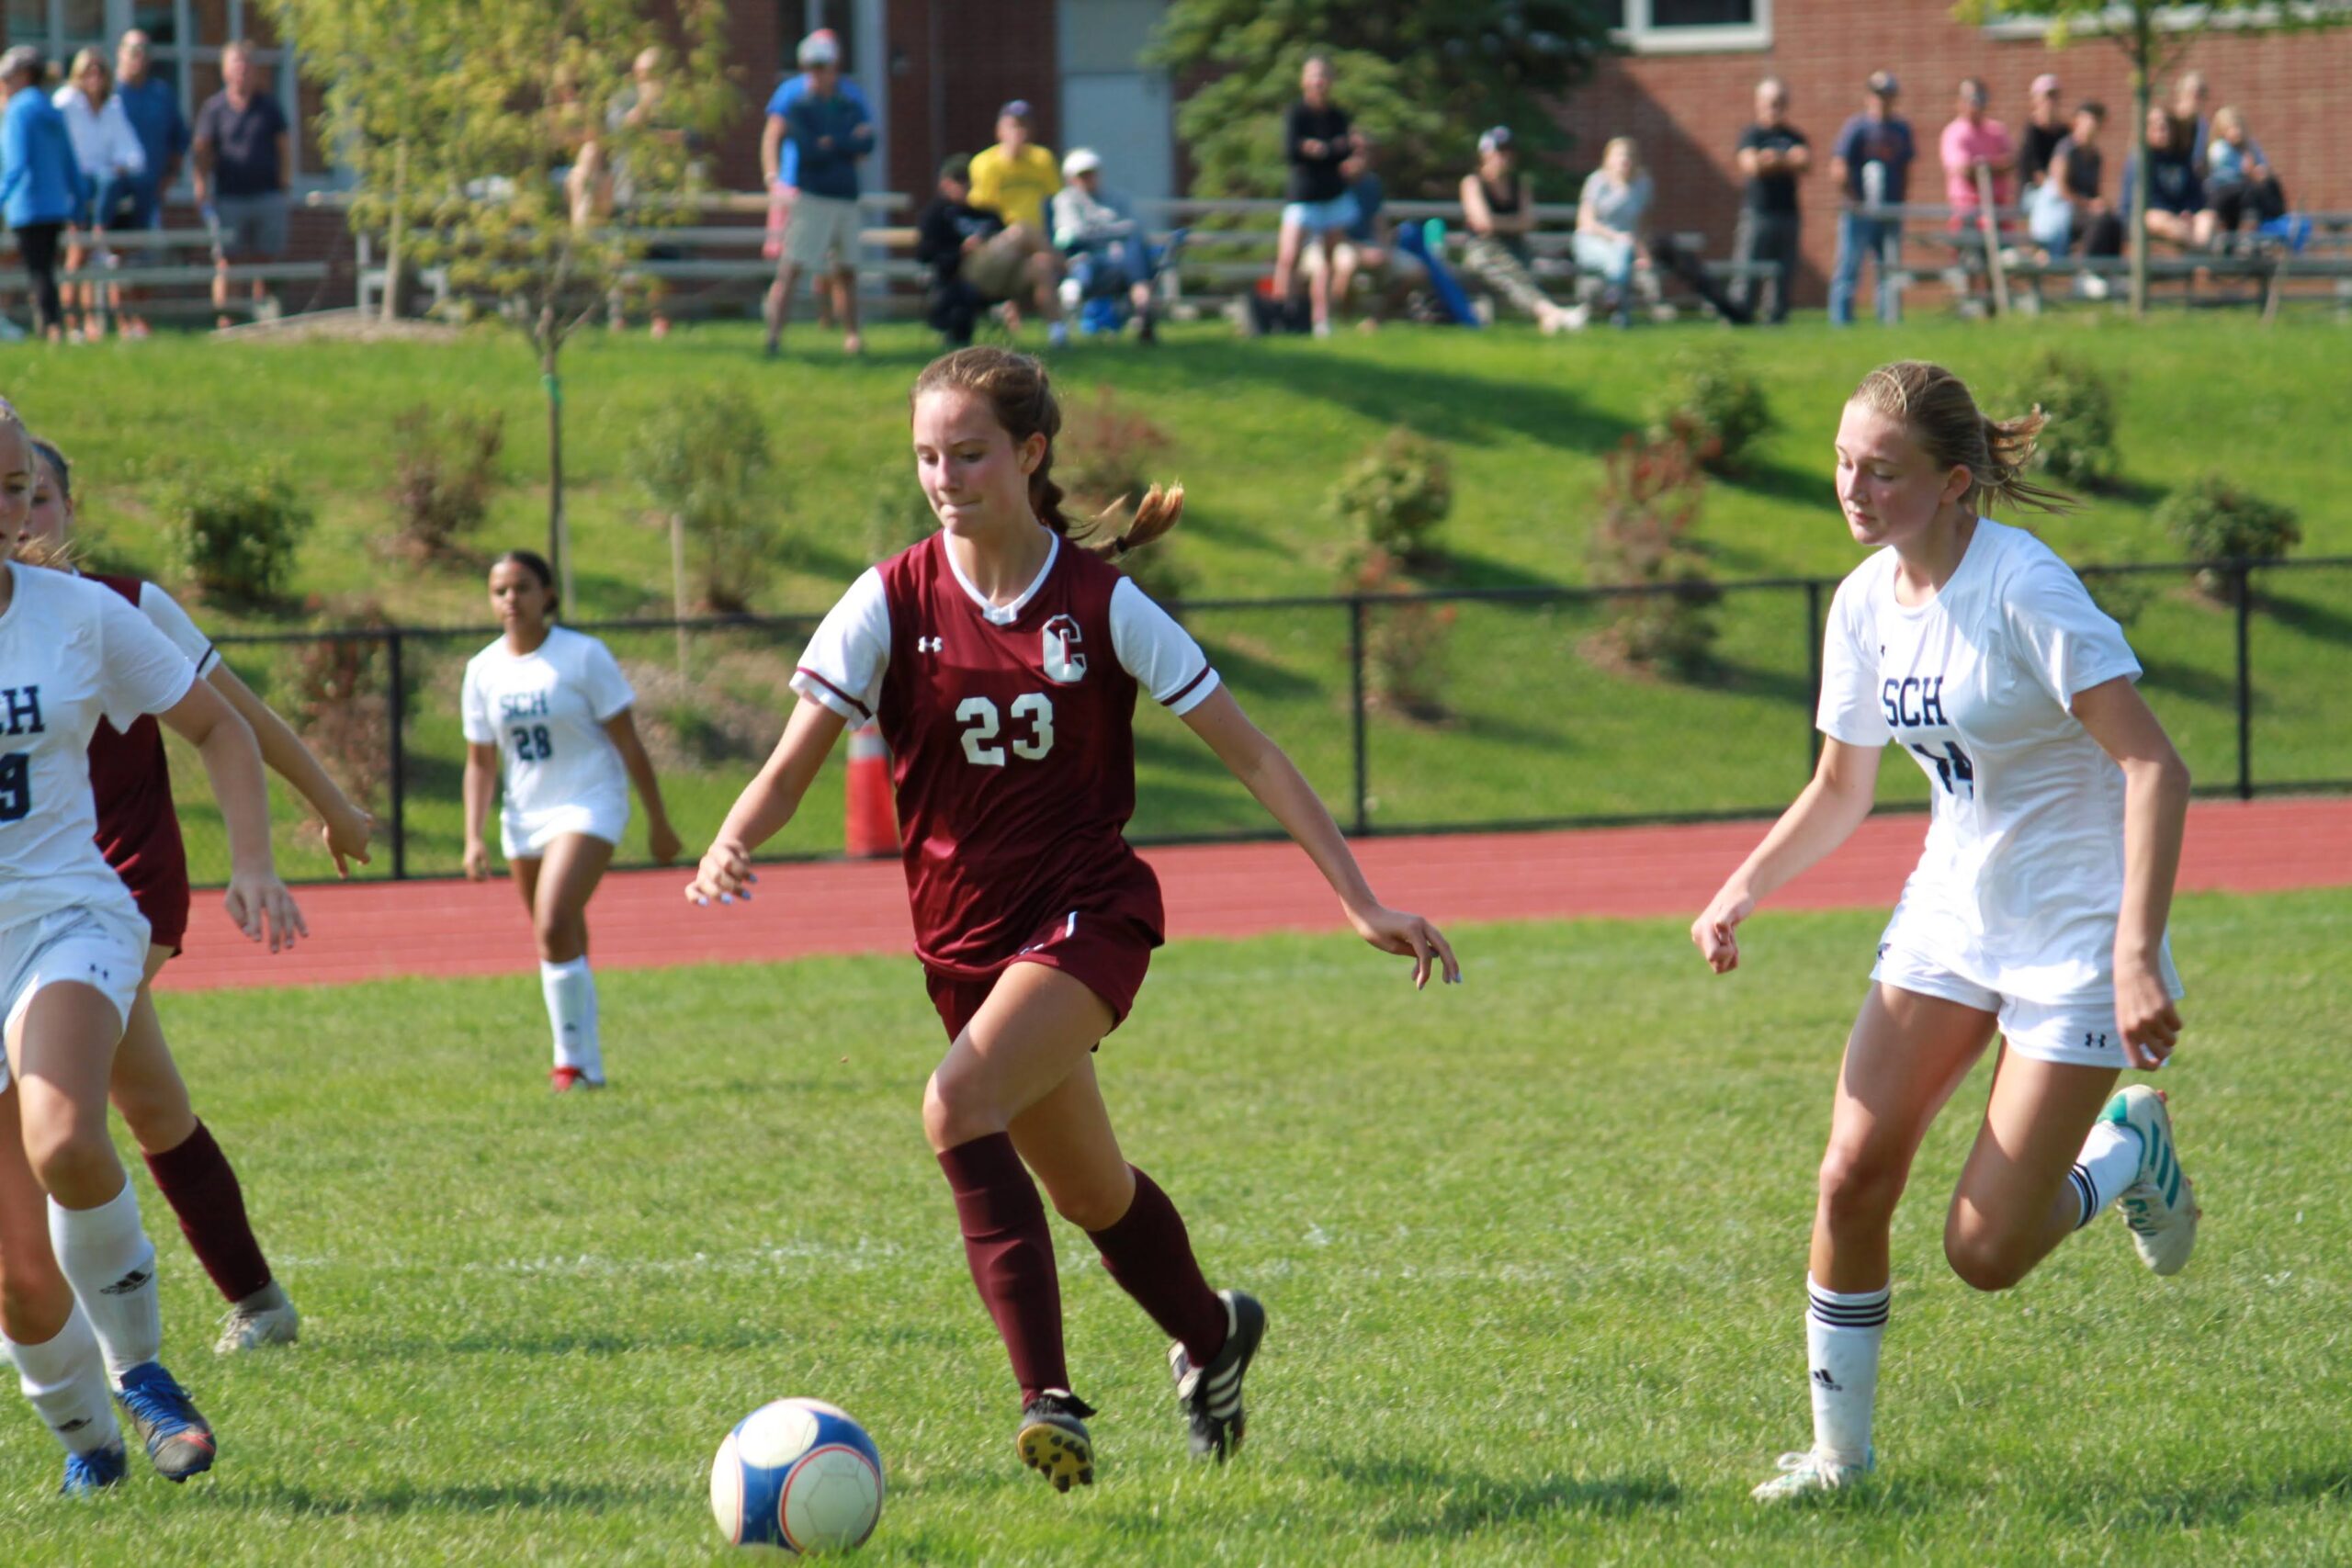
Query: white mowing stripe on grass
x,y
859,1257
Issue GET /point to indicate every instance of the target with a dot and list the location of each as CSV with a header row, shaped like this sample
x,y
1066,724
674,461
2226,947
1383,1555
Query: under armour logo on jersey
x,y
1821,1375
1063,663
2092,1041
929,644
127,1283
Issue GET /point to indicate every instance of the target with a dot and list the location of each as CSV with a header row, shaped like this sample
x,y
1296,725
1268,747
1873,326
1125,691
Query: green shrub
x,y
445,470
336,693
235,530
1404,645
2076,446
1649,503
2213,519
706,462
1105,455
1395,496
1713,407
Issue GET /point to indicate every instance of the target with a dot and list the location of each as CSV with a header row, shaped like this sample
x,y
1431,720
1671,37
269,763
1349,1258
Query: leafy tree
x,y
2154,36
1422,79
454,119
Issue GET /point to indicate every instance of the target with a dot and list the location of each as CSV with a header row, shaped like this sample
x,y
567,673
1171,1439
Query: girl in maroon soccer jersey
x,y
139,833
1002,661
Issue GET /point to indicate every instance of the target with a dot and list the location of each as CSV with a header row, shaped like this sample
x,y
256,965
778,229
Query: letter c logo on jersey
x,y
1065,665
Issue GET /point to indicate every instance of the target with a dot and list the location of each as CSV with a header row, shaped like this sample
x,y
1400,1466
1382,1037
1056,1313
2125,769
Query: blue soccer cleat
x,y
178,1440
90,1473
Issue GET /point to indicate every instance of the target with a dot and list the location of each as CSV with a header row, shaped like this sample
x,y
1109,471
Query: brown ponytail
x,y
1021,395
1936,407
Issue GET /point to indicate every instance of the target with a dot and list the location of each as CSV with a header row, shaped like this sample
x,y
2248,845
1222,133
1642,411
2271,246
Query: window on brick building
x,y
1667,26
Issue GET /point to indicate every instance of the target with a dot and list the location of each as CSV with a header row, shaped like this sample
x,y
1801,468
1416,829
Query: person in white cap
x,y
819,125
1096,229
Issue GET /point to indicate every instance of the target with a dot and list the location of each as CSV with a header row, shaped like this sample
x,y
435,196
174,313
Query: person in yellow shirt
x,y
1014,179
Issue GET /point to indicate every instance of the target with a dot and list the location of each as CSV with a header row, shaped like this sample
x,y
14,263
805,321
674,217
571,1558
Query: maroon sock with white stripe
x,y
197,1181
1012,1256
1149,1253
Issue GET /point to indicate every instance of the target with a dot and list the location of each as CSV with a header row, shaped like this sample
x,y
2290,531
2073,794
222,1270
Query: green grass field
x,y
1259,430
1532,1248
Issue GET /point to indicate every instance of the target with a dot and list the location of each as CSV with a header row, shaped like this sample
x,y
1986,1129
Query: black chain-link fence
x,y
1436,711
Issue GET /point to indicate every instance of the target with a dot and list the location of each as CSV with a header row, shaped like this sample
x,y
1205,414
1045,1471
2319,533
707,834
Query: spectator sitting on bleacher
x,y
2069,202
1773,154
2176,211
1318,140
1871,166
2190,121
1095,228
1499,208
975,261
1609,224
152,107
241,159
40,181
818,128
1370,250
111,161
1014,179
2241,183
2045,127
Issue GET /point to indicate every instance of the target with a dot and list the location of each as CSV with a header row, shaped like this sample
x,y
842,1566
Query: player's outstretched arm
x,y
2156,817
256,899
767,803
481,780
1824,816
662,839
1275,780
347,828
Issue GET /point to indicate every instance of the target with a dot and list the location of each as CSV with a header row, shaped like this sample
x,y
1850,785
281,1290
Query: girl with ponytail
x,y
1002,658
2038,908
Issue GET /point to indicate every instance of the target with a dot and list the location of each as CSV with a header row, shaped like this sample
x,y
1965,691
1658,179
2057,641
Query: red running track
x,y
371,930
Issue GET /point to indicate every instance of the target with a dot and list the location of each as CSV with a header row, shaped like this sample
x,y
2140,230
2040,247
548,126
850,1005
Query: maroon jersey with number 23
x,y
1011,739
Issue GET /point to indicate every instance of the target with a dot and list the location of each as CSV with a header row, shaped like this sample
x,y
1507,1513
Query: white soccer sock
x,y
66,1380
571,992
1842,1331
111,1264
2109,1160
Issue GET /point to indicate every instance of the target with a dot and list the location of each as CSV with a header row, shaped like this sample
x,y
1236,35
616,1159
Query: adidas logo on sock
x,y
74,1426
1821,1375
127,1283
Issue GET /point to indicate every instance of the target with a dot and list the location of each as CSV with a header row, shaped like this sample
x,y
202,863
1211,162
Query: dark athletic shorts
x,y
1106,953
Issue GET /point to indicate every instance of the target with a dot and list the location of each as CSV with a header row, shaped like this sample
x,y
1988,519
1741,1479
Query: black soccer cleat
x,y
1053,1439
1211,1396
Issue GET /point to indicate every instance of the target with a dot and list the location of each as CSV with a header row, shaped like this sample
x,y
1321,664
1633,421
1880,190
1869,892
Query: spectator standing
x,y
1096,229
111,161
40,181
1774,154
242,154
1499,206
1871,166
2045,127
2176,211
1975,144
1317,141
152,107
819,125
2190,97
2240,182
1609,224
1014,179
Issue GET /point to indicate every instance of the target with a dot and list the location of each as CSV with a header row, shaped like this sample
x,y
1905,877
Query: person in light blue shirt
x,y
819,125
41,180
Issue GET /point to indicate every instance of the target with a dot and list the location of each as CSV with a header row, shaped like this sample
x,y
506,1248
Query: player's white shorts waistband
x,y
2079,1031
103,949
530,836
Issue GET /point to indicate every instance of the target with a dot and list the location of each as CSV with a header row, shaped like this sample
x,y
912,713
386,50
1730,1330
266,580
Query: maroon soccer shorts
x,y
156,873
1106,953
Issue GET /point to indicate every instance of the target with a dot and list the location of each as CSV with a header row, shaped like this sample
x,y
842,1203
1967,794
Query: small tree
x,y
1641,539
706,462
2154,36
452,114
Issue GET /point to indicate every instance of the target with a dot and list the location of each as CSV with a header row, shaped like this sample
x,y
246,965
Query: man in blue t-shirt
x,y
1870,166
818,128
152,107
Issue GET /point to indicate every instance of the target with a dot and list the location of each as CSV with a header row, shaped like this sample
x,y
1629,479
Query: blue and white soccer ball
x,y
797,1475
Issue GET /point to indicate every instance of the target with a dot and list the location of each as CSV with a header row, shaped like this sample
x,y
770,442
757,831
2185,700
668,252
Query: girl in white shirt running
x,y
78,1303
546,714
2037,910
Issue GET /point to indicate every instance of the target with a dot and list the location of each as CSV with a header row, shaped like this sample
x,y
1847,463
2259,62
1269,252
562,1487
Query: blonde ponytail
x,y
1940,414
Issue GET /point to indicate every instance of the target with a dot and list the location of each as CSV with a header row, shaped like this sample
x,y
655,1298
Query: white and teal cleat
x,y
2160,1206
1812,1474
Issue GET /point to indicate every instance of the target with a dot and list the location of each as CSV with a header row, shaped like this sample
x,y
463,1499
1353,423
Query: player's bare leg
x,y
845,295
1907,1054
779,304
2014,1204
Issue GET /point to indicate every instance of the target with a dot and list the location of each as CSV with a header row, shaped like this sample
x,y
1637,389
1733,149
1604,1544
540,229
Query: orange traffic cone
x,y
871,830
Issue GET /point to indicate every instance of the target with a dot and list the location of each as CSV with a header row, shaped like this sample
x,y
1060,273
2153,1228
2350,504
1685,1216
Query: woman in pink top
x,y
1975,140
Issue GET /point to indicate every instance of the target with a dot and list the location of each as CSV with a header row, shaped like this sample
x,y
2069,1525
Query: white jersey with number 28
x,y
546,712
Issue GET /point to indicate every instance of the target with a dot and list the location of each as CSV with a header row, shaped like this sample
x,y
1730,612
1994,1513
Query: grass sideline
x,y
1260,430
1533,1251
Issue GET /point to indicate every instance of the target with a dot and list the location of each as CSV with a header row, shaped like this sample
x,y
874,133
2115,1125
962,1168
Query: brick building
x,y
1684,89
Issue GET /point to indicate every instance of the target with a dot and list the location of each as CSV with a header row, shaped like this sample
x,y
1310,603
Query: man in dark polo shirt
x,y
1773,154
241,158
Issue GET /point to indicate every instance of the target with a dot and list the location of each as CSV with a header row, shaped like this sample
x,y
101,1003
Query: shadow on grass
x,y
401,1500
2320,620
1437,1503
2217,1501
2195,682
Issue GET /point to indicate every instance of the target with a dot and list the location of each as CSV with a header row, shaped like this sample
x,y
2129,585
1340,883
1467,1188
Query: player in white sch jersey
x,y
546,714
2037,910
78,1304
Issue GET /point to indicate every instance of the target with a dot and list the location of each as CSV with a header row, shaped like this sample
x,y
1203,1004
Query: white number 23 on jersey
x,y
981,724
